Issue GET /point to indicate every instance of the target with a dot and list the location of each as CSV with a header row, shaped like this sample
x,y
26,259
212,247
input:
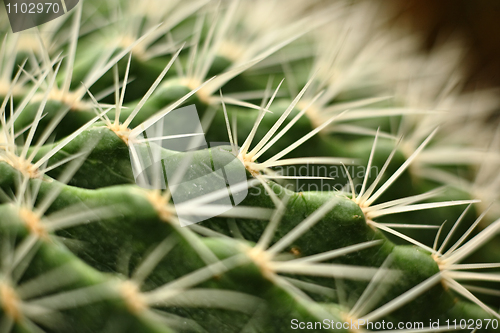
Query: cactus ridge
x,y
84,248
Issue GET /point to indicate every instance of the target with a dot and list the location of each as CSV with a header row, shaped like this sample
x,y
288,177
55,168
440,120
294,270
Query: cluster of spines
x,y
122,230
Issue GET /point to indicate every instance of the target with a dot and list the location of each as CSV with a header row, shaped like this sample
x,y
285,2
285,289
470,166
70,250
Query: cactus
x,y
98,236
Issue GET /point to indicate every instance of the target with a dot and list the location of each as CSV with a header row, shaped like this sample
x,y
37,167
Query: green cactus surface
x,y
243,166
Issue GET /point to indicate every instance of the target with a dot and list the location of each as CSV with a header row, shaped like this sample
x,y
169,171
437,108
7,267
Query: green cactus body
x,y
95,235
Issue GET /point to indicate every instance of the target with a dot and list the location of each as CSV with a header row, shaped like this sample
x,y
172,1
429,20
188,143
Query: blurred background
x,y
476,21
